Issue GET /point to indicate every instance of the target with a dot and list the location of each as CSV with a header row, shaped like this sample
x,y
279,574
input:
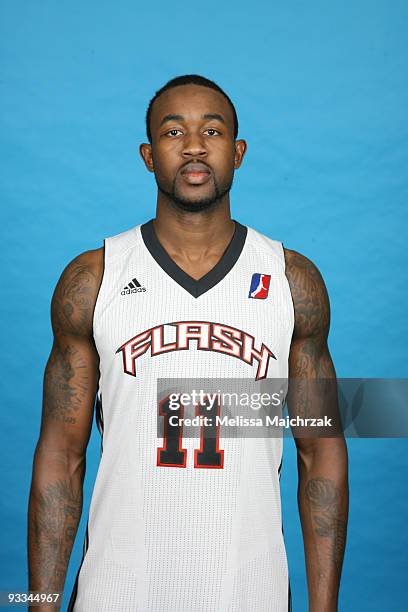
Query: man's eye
x,y
212,130
171,132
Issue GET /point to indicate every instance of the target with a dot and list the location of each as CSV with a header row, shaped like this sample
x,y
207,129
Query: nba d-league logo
x,y
259,288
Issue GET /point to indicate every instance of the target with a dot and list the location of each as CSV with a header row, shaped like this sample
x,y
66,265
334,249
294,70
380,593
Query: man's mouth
x,y
195,173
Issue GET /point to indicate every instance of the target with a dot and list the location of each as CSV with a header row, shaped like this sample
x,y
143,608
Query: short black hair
x,y
188,79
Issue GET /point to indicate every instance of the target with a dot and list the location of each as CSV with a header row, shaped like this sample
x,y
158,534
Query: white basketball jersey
x,y
183,525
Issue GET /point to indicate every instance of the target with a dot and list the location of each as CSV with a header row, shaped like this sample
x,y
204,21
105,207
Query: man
x,y
183,524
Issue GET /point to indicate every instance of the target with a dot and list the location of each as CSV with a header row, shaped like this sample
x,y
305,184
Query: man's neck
x,y
195,241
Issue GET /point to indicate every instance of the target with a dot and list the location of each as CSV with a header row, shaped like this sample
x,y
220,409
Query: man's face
x,y
193,153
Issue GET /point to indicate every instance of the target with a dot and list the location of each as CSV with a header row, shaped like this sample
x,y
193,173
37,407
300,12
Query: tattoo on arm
x,y
70,382
327,519
73,300
54,527
65,384
323,490
67,379
309,357
312,310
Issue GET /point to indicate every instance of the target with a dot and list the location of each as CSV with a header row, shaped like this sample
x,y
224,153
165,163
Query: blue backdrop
x,y
321,94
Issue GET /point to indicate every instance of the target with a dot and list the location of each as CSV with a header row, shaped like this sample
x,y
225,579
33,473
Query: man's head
x,y
192,126
189,79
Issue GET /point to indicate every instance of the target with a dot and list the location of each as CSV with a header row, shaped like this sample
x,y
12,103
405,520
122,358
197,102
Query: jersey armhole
x,y
98,297
290,297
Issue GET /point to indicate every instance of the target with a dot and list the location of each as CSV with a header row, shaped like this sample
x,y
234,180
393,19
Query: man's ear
x,y
240,148
145,151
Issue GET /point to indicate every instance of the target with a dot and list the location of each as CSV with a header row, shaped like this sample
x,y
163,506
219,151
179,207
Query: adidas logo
x,y
133,287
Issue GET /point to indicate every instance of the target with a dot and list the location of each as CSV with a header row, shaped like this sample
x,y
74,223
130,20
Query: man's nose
x,y
194,145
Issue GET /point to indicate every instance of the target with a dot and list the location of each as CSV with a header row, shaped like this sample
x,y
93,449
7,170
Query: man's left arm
x,y
322,461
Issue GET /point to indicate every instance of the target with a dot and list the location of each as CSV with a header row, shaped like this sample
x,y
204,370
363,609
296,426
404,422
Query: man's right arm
x,y
70,384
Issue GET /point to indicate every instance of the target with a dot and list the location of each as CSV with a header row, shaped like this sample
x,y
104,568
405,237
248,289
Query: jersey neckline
x,y
213,277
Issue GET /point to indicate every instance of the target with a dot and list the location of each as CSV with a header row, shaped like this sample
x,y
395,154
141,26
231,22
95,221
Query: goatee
x,y
187,205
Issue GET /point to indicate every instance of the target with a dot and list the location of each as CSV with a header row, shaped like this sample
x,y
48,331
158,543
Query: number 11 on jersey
x,y
172,453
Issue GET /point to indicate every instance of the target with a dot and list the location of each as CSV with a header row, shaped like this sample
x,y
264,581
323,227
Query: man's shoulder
x,y
88,263
119,244
298,264
262,242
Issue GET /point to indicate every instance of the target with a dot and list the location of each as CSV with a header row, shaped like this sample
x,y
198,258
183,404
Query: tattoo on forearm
x,y
327,518
54,526
65,384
